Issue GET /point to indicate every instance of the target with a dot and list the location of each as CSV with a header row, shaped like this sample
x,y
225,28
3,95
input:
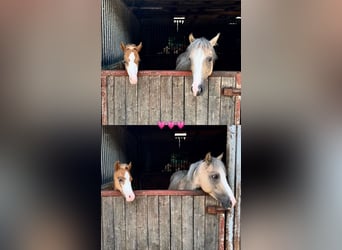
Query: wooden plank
x,y
178,98
202,106
154,99
110,100
231,159
120,100
153,222
190,102
143,100
166,98
214,100
142,234
163,192
176,222
131,222
131,103
227,103
199,221
164,73
107,223
211,226
104,104
187,222
120,222
237,227
164,222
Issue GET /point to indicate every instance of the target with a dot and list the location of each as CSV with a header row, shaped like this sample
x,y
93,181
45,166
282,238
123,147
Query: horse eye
x,y
215,176
210,59
121,180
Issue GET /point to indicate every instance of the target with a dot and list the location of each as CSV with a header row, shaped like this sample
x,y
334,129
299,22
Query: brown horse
x,y
122,180
199,57
209,175
131,60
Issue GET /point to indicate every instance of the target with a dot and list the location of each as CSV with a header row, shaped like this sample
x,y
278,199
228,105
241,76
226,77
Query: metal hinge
x,y
228,91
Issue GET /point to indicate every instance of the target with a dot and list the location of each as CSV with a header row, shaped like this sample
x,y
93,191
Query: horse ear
x,y
122,45
117,165
208,158
220,156
139,47
129,166
213,41
191,38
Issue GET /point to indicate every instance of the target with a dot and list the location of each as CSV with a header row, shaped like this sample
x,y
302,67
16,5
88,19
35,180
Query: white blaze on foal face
x,y
132,69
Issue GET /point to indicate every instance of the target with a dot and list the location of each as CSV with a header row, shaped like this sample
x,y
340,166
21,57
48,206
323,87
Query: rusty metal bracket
x,y
215,210
227,91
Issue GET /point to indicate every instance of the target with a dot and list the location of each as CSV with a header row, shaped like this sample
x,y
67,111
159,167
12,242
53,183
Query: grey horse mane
x,y
183,62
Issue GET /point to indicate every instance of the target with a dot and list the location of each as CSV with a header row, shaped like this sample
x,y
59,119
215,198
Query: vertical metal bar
x,y
237,118
221,234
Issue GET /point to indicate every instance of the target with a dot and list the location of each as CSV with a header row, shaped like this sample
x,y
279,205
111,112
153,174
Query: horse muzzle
x,y
226,202
196,91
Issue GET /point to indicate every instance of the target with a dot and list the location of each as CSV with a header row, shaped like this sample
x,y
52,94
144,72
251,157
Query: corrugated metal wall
x,y
118,24
117,144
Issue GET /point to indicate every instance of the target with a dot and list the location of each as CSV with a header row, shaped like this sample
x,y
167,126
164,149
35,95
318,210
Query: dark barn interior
x,y
160,152
156,153
164,28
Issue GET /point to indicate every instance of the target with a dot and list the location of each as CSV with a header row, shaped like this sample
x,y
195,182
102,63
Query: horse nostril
x,y
192,90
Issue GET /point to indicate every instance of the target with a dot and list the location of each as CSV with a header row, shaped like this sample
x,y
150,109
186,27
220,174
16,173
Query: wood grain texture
x,y
199,222
143,101
153,222
202,106
120,223
164,222
154,99
178,98
120,100
142,233
131,103
131,225
214,110
187,222
176,222
166,98
107,223
227,103
110,100
190,102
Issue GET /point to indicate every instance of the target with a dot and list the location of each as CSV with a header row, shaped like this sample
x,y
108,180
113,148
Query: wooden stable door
x,y
162,220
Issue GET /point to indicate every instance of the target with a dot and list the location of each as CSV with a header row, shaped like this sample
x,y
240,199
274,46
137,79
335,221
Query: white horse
x,y
209,175
199,57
